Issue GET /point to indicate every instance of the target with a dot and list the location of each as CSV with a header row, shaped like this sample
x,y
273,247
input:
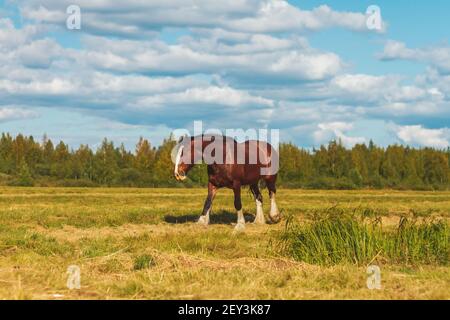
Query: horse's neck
x,y
206,143
203,144
228,148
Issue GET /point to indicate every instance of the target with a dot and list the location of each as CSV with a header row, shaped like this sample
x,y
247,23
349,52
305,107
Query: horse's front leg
x,y
204,218
240,226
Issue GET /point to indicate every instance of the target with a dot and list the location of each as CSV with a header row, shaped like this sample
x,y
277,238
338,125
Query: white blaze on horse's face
x,y
179,176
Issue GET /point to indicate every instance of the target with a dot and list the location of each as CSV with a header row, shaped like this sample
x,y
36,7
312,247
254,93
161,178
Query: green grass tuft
x,y
346,238
143,262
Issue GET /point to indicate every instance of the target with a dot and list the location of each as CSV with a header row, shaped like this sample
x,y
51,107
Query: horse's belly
x,y
226,175
221,181
251,174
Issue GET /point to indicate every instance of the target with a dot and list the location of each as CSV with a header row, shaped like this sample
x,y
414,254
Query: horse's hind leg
x,y
259,219
204,218
274,215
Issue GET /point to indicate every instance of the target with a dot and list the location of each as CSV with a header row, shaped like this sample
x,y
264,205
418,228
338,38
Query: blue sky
x,y
312,69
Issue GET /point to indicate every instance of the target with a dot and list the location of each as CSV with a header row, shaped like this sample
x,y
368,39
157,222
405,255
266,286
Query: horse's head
x,y
184,160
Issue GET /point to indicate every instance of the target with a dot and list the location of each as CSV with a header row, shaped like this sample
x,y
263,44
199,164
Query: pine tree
x,y
163,167
61,167
6,154
106,168
23,160
144,155
24,178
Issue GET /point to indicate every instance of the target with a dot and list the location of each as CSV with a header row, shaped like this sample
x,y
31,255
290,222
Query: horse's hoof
x,y
275,218
259,220
203,221
239,228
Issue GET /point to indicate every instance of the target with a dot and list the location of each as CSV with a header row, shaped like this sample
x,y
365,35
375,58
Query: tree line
x,y
27,162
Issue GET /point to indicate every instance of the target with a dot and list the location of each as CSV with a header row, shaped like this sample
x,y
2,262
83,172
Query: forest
x,y
24,161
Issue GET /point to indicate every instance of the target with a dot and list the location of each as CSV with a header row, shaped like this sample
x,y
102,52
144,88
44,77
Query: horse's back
x,y
251,160
259,157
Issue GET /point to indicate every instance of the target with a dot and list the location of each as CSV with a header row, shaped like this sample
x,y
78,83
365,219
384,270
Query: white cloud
x,y
308,66
236,63
118,78
336,130
211,96
13,113
55,86
142,18
222,42
379,89
437,56
39,53
271,59
279,16
418,135
439,84
11,37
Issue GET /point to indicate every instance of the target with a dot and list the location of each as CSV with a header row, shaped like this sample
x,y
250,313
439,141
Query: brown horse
x,y
231,165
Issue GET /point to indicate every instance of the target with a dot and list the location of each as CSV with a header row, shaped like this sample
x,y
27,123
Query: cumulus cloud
x,y
123,79
11,37
439,83
55,86
14,113
336,130
244,63
362,87
418,135
211,95
271,60
388,97
437,56
39,54
219,41
279,16
142,18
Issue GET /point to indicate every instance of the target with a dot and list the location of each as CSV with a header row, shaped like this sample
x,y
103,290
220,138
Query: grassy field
x,y
144,244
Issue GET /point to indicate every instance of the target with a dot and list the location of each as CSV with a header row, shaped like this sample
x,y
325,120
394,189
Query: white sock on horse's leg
x,y
204,219
241,218
259,219
240,226
274,213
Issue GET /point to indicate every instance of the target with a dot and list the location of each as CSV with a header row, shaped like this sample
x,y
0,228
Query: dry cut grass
x,y
144,244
